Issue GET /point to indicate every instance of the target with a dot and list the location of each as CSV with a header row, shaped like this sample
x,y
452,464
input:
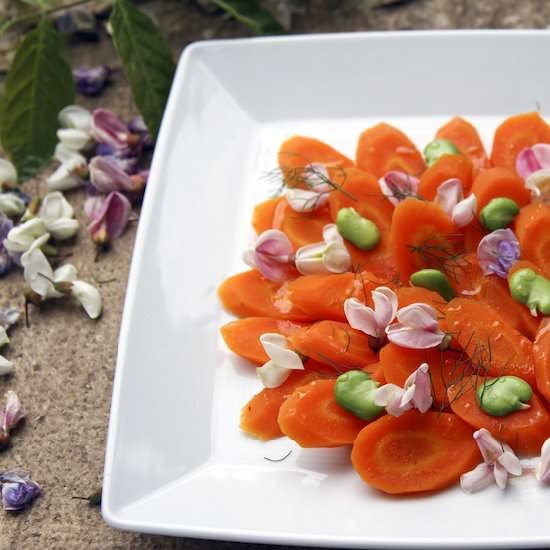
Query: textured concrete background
x,y
65,362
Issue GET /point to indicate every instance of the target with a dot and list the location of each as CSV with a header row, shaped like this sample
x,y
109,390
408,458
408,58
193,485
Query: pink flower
x,y
316,177
10,416
107,128
497,252
271,255
533,165
107,174
542,470
450,197
417,328
109,217
281,360
372,321
397,186
415,394
499,460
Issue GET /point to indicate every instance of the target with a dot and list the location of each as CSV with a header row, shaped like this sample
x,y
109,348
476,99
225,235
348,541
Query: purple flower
x,y
6,261
397,186
18,490
91,81
533,165
497,252
137,126
107,175
109,217
107,128
270,255
12,414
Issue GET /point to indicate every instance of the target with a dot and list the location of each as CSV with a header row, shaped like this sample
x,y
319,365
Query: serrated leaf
x,y
146,58
251,14
39,84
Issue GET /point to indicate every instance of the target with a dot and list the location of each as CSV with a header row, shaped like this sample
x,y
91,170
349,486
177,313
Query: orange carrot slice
x,y
407,295
414,452
541,353
303,228
242,336
423,236
532,227
262,217
383,148
499,182
524,431
494,346
447,167
250,294
464,135
334,344
312,417
259,415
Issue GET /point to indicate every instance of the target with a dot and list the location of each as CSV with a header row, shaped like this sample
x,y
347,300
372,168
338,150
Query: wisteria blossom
x,y
330,256
372,321
499,462
450,197
18,490
281,360
397,186
415,394
497,252
91,81
271,255
316,178
8,175
533,165
416,328
10,415
542,470
108,217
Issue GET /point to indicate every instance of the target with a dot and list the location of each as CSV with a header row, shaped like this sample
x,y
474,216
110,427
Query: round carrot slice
x,y
414,452
541,353
532,226
312,417
447,167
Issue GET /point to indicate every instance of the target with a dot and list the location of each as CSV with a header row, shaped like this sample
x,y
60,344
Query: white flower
x,y
89,298
542,470
329,256
416,393
76,117
316,178
37,271
372,321
68,174
57,214
499,460
73,139
11,205
8,175
270,255
450,197
21,237
282,360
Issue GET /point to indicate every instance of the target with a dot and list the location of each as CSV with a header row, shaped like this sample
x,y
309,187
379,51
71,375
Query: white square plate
x,y
176,461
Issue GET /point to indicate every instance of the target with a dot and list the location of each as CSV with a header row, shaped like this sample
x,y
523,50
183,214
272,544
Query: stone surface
x,y
65,362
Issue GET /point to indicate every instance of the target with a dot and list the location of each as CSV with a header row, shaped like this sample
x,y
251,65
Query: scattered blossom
x,y
416,328
450,197
499,461
18,490
397,186
8,175
108,217
497,252
91,81
281,360
533,165
10,415
271,255
542,470
316,178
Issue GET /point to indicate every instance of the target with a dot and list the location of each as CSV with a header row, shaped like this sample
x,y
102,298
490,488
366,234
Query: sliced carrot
x,y
383,148
334,344
473,233
447,167
303,228
298,151
446,368
262,217
464,135
499,182
532,227
494,292
524,431
250,294
465,274
495,348
259,415
423,236
243,335
407,295
414,452
312,417
517,133
541,353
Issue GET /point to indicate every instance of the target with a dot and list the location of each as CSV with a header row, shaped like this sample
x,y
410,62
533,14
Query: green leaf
x,y
42,4
39,84
146,58
251,14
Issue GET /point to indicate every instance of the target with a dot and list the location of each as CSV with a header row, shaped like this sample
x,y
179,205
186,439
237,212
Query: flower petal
x,y
478,478
73,139
542,470
106,175
303,200
309,259
463,213
390,396
397,186
449,194
37,271
4,338
538,181
54,205
415,338
422,396
542,154
8,174
489,447
6,367
418,316
510,462
316,177
65,274
107,128
274,243
73,116
67,174
361,317
275,345
13,412
385,306
501,475
497,251
272,375
89,298
336,258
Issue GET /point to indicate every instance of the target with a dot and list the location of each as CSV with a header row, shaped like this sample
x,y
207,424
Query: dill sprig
x,y
441,255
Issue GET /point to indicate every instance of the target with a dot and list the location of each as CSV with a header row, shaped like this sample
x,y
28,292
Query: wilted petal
x,y
361,317
397,186
449,194
76,117
542,470
107,128
415,338
18,491
89,298
65,273
336,258
113,216
8,175
303,200
9,317
69,174
106,175
276,347
501,475
74,139
497,252
390,397
477,479
489,447
272,375
13,412
37,271
463,213
20,237
509,461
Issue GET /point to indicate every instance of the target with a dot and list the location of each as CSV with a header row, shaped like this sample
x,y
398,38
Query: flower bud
x,y
11,205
